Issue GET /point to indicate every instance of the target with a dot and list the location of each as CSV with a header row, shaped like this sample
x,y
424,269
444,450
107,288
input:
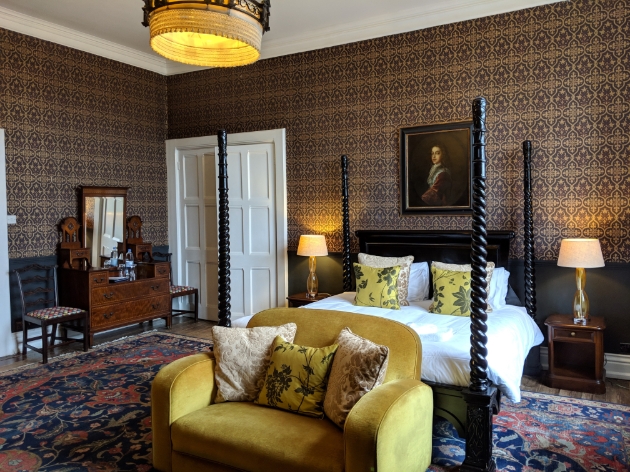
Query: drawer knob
x,y
109,296
108,315
98,281
155,287
156,305
162,270
572,333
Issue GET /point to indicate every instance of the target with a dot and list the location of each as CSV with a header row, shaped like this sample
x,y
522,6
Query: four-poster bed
x,y
469,408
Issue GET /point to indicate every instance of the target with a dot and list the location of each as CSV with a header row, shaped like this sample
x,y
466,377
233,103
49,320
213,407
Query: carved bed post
x,y
532,366
481,397
347,278
530,269
224,235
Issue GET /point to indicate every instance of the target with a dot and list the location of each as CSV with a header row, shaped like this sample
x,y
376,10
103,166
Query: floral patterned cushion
x,y
181,288
54,312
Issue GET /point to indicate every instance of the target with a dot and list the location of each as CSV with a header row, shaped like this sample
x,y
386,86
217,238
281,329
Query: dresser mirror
x,y
104,211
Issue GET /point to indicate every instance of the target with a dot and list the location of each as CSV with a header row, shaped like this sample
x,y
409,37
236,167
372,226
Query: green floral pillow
x,y
451,292
377,286
297,378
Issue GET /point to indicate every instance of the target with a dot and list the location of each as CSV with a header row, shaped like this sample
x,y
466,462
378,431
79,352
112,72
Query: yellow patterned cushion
x,y
451,288
377,286
297,378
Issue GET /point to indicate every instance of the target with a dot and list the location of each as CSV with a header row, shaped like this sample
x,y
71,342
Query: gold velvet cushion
x,y
451,288
403,278
359,366
377,286
242,356
297,378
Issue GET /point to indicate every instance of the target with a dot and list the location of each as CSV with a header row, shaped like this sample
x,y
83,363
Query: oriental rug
x,y
91,412
548,433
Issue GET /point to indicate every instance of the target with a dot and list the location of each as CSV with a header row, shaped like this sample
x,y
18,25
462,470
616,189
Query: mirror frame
x,y
91,192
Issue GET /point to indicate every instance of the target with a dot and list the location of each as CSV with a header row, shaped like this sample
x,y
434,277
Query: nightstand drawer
x,y
577,334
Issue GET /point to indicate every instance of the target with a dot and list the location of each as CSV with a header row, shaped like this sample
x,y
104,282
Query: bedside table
x,y
576,354
300,299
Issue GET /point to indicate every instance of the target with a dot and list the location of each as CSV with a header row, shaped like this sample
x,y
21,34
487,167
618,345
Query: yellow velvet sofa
x,y
388,430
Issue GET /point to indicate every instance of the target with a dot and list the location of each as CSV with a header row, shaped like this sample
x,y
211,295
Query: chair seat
x,y
181,288
54,312
252,437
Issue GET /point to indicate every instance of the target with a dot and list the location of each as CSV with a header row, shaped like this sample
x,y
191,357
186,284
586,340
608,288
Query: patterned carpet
x,y
91,412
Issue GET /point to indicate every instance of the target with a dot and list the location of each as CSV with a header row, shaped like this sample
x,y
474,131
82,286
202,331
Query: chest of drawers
x,y
113,305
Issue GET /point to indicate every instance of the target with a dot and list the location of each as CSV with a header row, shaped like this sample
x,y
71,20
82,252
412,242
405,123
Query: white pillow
x,y
498,288
418,282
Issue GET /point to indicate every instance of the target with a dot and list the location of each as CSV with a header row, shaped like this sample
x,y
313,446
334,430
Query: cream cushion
x,y
242,356
359,366
379,262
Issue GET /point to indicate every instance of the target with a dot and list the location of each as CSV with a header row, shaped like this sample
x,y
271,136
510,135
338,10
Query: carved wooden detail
x,y
347,277
224,234
72,254
141,250
528,223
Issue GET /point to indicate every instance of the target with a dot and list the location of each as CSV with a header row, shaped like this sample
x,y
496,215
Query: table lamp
x,y
581,254
312,245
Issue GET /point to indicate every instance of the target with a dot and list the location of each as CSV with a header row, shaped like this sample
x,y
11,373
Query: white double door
x,y
253,227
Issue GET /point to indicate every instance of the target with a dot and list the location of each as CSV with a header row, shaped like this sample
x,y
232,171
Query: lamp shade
x,y
580,253
312,245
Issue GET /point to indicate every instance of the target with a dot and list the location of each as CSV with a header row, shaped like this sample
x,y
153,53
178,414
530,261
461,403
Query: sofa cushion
x,y
297,377
242,356
247,436
359,366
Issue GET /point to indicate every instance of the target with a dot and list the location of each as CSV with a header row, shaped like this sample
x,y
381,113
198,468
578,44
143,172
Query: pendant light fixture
x,y
214,33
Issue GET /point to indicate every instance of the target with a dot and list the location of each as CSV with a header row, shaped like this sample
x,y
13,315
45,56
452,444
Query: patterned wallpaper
x,y
71,119
558,75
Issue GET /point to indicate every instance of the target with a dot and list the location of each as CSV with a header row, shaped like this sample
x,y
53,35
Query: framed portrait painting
x,y
435,169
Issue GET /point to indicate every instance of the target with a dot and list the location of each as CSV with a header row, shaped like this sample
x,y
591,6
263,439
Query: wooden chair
x,y
72,254
135,242
38,288
179,290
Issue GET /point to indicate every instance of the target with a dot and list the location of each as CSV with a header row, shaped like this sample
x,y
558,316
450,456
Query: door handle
x,y
108,315
109,296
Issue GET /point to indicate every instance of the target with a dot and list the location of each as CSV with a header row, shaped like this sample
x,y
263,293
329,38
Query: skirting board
x,y
617,365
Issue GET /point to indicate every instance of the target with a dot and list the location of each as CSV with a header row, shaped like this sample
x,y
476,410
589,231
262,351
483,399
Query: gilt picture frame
x,y
436,169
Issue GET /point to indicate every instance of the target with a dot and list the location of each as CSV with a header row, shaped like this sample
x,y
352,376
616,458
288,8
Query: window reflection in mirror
x,y
104,224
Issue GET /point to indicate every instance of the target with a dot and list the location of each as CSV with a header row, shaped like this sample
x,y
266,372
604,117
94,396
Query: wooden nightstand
x,y
300,299
576,354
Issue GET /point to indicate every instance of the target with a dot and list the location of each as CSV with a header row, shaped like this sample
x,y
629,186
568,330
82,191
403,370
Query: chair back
x,y
165,257
38,287
319,328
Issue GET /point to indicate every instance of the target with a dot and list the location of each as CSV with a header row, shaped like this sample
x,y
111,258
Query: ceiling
x,y
112,28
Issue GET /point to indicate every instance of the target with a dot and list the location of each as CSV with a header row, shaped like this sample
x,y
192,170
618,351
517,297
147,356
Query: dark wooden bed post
x,y
530,269
481,396
224,235
532,365
347,278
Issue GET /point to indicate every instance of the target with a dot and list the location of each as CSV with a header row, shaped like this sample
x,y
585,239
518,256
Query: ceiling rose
x,y
214,33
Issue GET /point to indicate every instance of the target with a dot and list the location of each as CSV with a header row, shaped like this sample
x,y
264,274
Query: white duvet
x,y
446,341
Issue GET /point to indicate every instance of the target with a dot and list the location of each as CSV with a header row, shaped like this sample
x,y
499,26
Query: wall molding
x,y
394,22
617,365
54,33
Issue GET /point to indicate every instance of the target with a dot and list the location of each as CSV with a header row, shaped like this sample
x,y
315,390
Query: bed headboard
x,y
451,247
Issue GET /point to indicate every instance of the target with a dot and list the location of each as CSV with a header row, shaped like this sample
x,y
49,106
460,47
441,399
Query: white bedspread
x,y
446,341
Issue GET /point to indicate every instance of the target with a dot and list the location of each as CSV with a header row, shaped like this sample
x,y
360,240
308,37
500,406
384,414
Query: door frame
x,y
8,345
277,137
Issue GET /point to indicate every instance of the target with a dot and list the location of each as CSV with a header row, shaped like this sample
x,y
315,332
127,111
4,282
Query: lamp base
x,y
580,321
311,282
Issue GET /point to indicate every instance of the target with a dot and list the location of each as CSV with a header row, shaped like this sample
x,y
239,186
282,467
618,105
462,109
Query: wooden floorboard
x,y
617,391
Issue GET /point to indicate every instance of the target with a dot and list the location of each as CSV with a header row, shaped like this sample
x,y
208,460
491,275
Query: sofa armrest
x,y
179,388
390,428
